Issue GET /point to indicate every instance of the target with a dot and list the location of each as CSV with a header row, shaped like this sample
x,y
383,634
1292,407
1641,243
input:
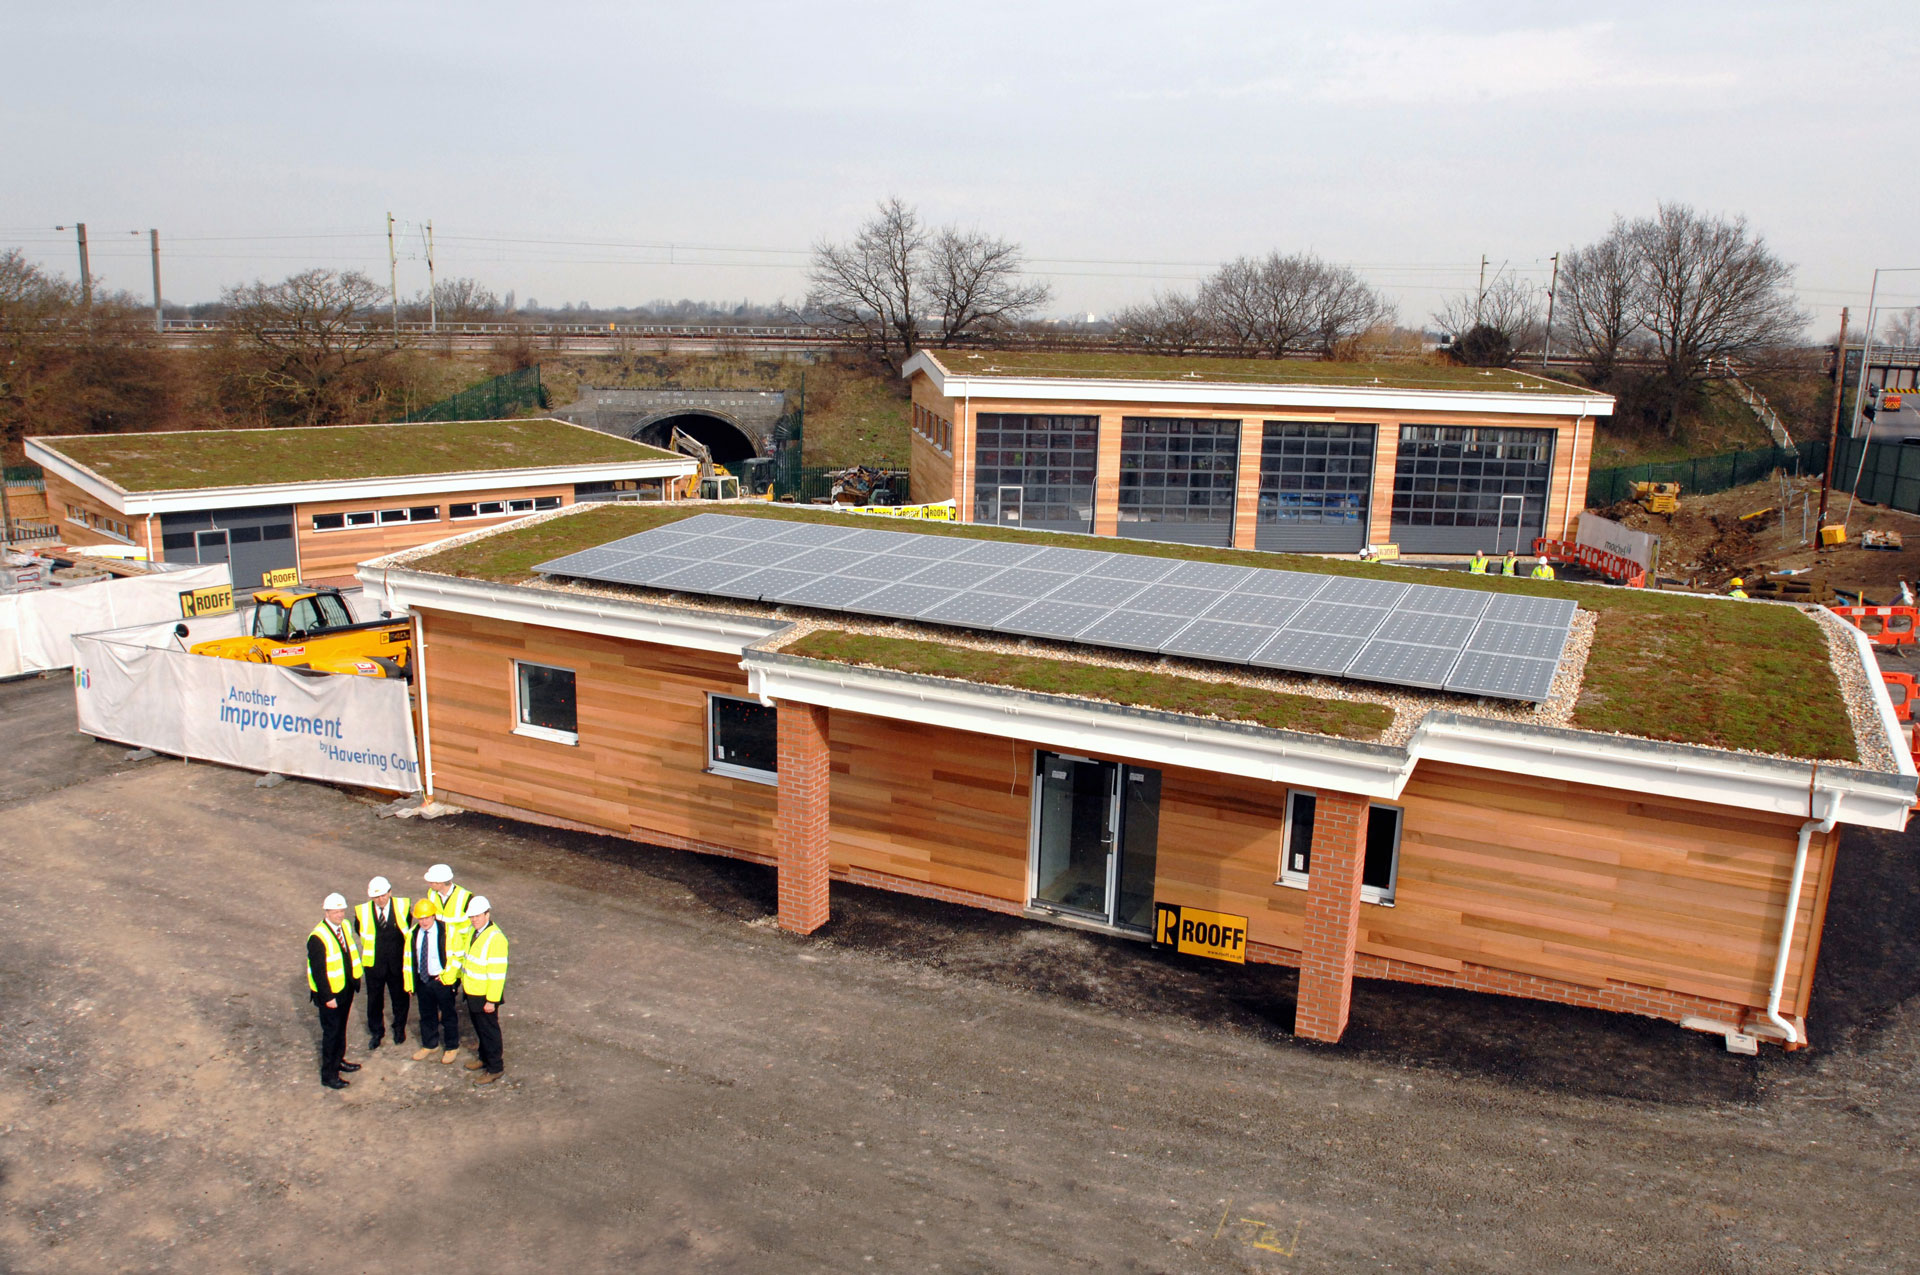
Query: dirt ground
x,y
919,1088
1710,540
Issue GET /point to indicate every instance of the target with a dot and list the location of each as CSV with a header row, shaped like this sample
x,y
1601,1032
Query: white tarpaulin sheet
x,y
334,727
37,629
1608,536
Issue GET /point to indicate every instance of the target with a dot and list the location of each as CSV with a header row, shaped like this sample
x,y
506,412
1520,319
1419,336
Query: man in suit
x,y
333,975
384,926
483,972
434,967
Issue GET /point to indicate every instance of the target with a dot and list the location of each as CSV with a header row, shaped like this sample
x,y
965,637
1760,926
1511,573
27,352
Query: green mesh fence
x,y
1704,475
499,399
1890,475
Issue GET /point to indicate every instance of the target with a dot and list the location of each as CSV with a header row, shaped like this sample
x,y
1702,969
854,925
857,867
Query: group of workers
x,y
435,947
1510,565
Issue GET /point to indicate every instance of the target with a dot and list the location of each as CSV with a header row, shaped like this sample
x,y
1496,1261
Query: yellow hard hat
x,y
1737,582
423,908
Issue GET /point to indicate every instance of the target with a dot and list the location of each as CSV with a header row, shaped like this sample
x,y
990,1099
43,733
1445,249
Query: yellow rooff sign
x,y
197,602
1194,932
279,578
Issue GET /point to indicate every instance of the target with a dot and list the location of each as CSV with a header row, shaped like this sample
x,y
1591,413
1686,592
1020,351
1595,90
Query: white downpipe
x,y
420,681
1807,829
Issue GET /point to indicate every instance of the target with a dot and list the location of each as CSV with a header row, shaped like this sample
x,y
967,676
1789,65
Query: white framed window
x,y
743,739
543,703
1380,869
424,513
77,515
546,502
363,518
329,522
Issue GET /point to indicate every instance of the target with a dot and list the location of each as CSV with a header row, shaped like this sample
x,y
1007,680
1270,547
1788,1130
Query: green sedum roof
x,y
192,459
1399,375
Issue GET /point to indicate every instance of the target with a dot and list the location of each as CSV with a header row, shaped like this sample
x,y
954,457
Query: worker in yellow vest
x,y
450,901
1478,566
433,975
333,975
483,974
384,925
1510,565
1736,588
1542,569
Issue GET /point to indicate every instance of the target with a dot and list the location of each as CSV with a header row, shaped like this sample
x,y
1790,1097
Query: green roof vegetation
x,y
1663,665
1167,692
192,459
1398,375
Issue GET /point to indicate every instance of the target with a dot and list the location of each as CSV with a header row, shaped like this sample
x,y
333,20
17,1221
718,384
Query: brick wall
x,y
801,828
1332,916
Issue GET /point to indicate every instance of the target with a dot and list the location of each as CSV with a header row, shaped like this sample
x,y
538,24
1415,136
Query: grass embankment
x,y
1164,691
1663,666
225,458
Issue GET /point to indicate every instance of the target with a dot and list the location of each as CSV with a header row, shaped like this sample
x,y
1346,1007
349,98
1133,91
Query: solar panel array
x,y
1463,640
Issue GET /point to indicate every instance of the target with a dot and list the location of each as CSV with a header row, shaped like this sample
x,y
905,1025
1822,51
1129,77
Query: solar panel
x,y
1133,631
1507,676
1405,664
1471,641
1218,640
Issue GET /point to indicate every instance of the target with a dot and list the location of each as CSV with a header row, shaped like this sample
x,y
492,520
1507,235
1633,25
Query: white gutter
x,y
426,722
1778,987
1217,393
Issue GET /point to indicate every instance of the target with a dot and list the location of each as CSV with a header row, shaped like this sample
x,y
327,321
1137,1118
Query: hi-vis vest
x,y
483,966
453,910
1543,572
449,963
1478,566
402,910
336,959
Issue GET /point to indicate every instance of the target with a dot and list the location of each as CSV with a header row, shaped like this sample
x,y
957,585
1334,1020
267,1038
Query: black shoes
x,y
399,1035
349,1066
373,1044
333,1082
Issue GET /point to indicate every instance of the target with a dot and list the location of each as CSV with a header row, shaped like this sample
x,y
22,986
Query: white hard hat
x,y
334,902
439,872
379,886
477,905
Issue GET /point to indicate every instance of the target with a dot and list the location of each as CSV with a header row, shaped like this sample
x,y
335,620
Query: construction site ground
x,y
1710,540
920,1087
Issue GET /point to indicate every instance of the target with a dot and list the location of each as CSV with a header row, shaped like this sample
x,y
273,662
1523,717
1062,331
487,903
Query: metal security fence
x,y
1704,475
496,400
1890,476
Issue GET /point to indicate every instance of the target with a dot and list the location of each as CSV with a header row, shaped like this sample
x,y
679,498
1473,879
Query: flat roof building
x,y
1005,719
1289,455
320,499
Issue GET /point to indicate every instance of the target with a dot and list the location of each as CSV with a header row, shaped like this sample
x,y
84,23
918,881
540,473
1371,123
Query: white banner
x,y
37,629
334,727
1608,536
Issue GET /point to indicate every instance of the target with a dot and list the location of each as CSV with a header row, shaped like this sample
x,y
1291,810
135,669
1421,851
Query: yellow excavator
x,y
310,629
714,481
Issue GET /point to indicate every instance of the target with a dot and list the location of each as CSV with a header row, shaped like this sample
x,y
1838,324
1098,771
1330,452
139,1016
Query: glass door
x,y
1011,501
1510,507
211,546
1096,833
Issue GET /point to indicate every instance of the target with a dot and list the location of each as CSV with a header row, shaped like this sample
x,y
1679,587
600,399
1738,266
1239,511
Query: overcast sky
x,y
620,153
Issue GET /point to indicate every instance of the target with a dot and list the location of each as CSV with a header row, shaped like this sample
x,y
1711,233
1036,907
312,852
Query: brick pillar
x,y
800,829
1333,916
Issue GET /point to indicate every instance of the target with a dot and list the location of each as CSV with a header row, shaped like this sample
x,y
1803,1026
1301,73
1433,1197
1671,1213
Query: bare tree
x,y
460,300
1901,328
1346,310
307,349
1274,306
1172,323
1599,306
1489,327
1710,290
870,287
974,281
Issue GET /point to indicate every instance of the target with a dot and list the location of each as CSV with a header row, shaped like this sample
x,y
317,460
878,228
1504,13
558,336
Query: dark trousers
x,y
333,1034
439,1019
486,1031
386,985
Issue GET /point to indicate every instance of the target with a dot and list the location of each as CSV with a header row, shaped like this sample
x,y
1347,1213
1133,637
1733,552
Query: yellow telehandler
x,y
310,628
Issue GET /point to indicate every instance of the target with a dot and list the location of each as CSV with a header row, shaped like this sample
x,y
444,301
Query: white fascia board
x,y
1300,398
578,613
1716,776
1082,726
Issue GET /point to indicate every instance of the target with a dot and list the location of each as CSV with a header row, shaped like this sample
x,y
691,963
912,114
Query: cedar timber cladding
x,y
639,768
61,494
325,554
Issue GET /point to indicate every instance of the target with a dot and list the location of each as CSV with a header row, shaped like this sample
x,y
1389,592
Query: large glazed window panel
x,y
1460,488
544,705
1035,471
743,738
1316,485
1178,478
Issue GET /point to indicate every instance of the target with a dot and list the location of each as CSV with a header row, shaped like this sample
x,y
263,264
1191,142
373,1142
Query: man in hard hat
x,y
433,973
333,975
450,900
1510,565
384,925
1478,566
1542,569
483,974
1736,588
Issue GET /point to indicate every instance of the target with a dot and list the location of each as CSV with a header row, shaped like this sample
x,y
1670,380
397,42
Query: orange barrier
x,y
1625,570
1901,689
1884,626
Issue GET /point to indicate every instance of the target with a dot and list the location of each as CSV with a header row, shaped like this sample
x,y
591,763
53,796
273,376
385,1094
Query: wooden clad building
x,y
320,500
1672,880
1256,453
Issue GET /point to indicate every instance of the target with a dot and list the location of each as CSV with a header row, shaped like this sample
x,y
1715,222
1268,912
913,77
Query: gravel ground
x,y
1858,688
